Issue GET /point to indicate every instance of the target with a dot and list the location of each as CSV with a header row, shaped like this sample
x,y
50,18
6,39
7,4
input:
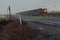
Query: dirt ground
x,y
14,31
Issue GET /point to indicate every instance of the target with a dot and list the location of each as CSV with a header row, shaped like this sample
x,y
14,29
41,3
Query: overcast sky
x,y
23,5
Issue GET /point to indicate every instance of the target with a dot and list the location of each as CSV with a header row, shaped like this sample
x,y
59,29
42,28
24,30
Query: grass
x,y
30,16
4,19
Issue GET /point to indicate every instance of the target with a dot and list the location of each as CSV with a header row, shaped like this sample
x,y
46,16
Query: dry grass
x,y
13,31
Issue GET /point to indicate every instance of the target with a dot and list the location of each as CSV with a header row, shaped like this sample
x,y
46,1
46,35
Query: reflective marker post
x,y
20,21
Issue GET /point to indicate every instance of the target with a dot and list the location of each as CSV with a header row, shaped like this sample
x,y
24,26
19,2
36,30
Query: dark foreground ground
x,y
14,31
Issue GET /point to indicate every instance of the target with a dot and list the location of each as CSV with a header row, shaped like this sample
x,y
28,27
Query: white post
x,y
20,21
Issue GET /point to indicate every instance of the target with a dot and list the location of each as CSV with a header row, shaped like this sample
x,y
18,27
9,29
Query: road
x,y
54,22
43,26
44,31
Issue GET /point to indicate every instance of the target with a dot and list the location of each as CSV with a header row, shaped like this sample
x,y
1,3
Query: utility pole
x,y
9,9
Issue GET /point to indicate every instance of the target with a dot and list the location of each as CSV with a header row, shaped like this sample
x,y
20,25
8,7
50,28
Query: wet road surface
x,y
45,28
